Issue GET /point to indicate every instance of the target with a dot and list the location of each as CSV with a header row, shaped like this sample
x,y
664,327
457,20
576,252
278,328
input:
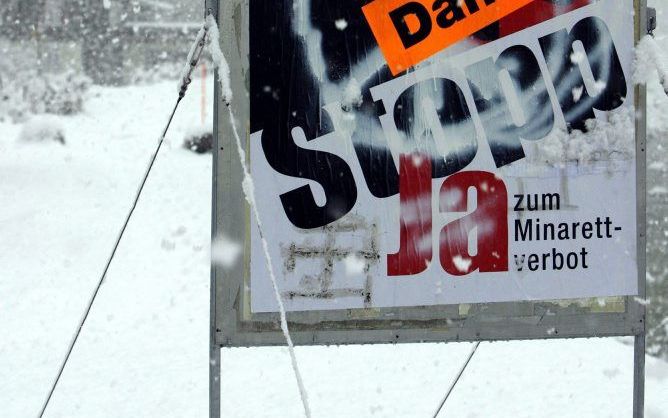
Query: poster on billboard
x,y
435,164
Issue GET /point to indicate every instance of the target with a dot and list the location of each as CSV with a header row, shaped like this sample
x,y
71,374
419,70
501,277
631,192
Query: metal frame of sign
x,y
233,324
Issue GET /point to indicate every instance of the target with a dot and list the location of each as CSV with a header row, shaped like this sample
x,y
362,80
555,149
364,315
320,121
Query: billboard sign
x,y
420,164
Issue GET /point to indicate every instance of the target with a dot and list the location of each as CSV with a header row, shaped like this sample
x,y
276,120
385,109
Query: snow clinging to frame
x,y
186,71
219,59
610,140
649,59
248,188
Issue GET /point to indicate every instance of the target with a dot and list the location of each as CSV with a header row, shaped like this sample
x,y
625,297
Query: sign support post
x,y
643,28
212,7
639,377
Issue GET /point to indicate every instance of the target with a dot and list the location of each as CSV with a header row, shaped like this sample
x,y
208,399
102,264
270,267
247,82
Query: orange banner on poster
x,y
410,31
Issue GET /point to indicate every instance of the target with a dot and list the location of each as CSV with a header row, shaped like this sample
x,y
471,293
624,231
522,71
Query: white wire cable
x,y
249,193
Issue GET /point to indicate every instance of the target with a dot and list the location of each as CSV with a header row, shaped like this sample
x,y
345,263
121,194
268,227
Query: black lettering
x,y
472,6
504,134
398,17
450,15
329,170
572,261
599,224
548,232
601,56
557,260
518,204
608,224
277,107
546,256
587,229
551,201
523,234
532,262
584,253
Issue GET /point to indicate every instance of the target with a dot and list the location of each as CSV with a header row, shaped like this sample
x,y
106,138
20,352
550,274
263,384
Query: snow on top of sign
x,y
219,60
649,61
605,140
186,71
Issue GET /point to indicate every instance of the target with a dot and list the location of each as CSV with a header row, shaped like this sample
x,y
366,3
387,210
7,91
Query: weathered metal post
x,y
644,27
211,7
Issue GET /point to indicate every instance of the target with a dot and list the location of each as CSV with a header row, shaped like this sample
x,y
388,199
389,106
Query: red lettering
x,y
415,248
490,218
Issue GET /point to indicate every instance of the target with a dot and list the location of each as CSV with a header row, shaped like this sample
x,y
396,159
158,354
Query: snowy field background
x,y
144,350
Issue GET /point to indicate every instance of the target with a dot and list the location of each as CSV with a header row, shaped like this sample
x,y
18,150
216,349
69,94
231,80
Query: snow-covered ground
x,y
144,350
